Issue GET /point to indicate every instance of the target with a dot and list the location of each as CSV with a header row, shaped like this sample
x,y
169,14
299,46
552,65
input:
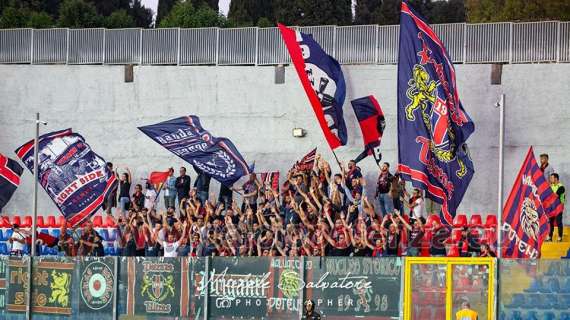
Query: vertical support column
x,y
558,44
256,45
302,292
464,43
32,47
29,289
141,47
501,176
67,47
217,45
104,45
178,49
207,292
511,43
115,287
449,291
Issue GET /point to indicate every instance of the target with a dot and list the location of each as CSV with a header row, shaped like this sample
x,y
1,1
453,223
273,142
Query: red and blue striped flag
x,y
10,172
526,212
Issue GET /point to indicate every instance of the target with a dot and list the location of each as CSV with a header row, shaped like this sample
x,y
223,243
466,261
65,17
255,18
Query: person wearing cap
x,y
465,313
309,312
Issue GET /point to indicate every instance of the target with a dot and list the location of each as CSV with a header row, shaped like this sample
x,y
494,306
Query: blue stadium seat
x,y
113,234
548,316
4,248
533,301
110,251
554,285
2,236
55,233
104,234
565,316
566,287
565,300
553,269
44,230
517,302
515,315
535,286
8,234
531,315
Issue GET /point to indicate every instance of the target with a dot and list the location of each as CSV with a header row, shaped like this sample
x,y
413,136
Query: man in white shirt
x,y
18,241
171,246
149,197
417,205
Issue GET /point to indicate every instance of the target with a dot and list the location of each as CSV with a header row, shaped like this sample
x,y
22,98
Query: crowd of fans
x,y
314,213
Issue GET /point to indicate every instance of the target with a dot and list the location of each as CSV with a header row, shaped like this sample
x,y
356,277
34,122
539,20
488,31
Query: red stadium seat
x,y
491,220
460,221
40,222
109,222
16,220
453,251
27,222
61,221
51,222
476,220
5,222
431,219
97,221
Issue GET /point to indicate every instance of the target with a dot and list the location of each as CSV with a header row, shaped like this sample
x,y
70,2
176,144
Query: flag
x,y
74,176
323,81
10,173
432,125
307,163
526,212
271,178
186,138
157,177
372,123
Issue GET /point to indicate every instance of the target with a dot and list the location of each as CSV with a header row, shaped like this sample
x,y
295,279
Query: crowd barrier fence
x,y
503,42
92,288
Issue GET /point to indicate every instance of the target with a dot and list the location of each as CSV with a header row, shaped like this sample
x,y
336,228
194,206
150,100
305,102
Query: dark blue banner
x,y
10,172
186,138
323,81
432,125
74,176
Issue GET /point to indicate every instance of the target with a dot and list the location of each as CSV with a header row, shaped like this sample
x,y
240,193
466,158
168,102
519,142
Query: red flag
x,y
308,161
271,178
526,212
158,177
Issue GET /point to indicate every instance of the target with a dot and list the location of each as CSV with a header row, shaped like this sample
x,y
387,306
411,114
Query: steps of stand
x,y
554,249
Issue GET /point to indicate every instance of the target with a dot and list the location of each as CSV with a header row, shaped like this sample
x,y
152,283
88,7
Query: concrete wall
x,y
244,104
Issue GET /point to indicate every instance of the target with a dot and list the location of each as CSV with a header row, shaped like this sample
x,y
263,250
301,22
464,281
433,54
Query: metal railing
x,y
505,42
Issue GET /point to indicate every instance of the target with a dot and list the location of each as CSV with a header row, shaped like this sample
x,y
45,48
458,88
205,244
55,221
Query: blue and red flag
x,y
10,173
372,123
186,138
74,176
323,81
432,125
527,210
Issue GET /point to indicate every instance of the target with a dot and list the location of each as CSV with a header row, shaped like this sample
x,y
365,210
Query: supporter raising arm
x,y
170,246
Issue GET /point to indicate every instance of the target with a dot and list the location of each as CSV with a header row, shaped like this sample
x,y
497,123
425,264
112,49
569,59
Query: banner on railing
x,y
3,283
52,281
158,287
96,286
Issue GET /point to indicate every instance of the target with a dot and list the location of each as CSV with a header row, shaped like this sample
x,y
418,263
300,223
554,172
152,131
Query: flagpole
x,y
35,212
336,158
501,106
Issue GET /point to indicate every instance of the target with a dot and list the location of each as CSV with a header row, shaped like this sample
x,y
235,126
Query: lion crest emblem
x,y
529,218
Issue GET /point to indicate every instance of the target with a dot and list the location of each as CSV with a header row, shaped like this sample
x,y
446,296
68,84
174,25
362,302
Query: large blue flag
x,y
186,138
526,212
432,125
74,176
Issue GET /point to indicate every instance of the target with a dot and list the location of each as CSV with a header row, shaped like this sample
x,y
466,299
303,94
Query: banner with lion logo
x,y
433,127
186,138
526,212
